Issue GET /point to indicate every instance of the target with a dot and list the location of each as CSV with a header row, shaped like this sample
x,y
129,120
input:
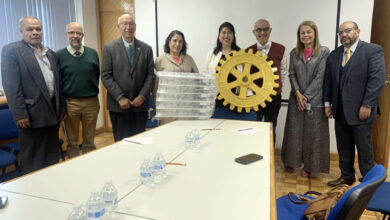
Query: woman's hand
x,y
301,100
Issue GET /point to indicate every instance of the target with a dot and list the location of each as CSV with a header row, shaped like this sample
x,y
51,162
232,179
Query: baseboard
x,y
333,156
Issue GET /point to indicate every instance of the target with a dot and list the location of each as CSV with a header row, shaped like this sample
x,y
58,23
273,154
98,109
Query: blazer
x,y
308,77
211,62
25,87
363,79
120,78
166,63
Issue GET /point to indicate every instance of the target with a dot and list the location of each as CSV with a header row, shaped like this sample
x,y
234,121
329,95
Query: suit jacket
x,y
25,87
360,81
120,78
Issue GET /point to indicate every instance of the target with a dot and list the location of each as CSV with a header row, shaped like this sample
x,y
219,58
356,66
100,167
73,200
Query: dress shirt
x,y
283,65
45,66
72,51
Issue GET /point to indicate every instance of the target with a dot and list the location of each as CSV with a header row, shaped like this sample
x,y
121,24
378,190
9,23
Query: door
x,y
380,34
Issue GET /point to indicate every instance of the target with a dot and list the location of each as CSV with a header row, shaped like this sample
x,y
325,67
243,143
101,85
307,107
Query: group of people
x,y
44,88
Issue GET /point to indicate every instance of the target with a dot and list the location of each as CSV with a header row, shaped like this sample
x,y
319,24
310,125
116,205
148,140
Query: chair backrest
x,y
8,129
354,201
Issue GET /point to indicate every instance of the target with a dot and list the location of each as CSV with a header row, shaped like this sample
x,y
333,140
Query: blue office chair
x,y
380,201
7,159
350,206
9,130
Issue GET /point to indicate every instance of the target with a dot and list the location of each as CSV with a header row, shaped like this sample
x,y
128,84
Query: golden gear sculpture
x,y
235,92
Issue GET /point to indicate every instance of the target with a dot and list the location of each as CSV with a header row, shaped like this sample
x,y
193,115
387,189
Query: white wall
x,y
199,21
86,14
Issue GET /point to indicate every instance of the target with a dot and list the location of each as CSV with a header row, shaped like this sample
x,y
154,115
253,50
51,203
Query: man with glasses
x,y
276,53
32,85
79,69
128,75
354,78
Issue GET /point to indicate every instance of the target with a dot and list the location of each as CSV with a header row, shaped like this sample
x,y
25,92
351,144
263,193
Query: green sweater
x,y
80,75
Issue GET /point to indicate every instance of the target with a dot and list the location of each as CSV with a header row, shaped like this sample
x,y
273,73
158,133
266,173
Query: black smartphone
x,y
3,201
249,158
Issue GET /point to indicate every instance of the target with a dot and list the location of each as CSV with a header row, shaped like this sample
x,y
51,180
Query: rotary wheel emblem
x,y
242,89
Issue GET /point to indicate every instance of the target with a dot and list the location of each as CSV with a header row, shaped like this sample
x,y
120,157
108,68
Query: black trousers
x,y
347,136
127,124
38,148
271,112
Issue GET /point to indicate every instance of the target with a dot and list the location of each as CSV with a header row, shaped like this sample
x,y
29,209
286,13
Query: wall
x,y
86,14
199,21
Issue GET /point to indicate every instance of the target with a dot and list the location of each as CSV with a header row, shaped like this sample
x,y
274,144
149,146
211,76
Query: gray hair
x,y
21,20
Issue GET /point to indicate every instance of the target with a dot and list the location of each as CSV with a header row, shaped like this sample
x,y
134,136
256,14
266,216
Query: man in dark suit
x,y
128,75
354,78
32,85
275,52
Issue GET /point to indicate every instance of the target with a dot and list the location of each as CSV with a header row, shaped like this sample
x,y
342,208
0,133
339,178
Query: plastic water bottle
x,y
95,206
146,172
158,166
77,213
192,138
110,196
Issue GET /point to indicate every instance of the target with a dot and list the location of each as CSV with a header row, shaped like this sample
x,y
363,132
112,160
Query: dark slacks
x,y
271,112
38,148
128,124
347,136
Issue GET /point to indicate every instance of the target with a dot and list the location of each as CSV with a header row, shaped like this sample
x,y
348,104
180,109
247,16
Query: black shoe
x,y
340,181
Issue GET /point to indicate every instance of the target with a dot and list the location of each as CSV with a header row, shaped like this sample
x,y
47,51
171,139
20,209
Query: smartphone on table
x,y
249,158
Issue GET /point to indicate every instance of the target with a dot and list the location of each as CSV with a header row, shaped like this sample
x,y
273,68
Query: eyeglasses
x,y
127,23
347,31
75,32
259,30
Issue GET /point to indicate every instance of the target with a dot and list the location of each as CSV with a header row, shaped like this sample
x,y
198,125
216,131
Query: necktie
x,y
347,57
77,53
130,53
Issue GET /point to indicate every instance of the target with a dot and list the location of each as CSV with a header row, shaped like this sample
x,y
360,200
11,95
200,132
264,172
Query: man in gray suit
x,y
354,78
128,75
32,85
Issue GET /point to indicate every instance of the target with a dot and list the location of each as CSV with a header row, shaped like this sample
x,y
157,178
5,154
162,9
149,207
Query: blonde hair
x,y
300,46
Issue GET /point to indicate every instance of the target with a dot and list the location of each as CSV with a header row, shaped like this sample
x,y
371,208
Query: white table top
x,y
211,186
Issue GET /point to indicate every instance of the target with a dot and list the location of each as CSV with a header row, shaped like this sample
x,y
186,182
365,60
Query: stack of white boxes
x,y
185,95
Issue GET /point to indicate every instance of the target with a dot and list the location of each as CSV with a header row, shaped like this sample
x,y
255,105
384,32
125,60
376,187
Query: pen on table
x,y
245,129
209,129
177,164
134,142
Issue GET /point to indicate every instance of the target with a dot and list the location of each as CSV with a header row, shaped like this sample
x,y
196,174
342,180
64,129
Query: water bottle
x,y
110,196
158,166
95,206
192,138
77,213
146,172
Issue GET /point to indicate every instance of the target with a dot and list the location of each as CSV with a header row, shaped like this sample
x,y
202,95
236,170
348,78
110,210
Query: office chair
x,y
350,206
380,201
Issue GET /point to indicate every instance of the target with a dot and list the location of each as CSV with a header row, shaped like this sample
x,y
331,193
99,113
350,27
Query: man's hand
x,y
365,112
124,103
23,123
137,102
328,112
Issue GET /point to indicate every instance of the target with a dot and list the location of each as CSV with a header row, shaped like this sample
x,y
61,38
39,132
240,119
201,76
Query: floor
x,y
285,182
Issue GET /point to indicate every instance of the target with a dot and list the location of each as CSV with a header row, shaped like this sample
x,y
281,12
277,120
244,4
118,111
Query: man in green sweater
x,y
79,69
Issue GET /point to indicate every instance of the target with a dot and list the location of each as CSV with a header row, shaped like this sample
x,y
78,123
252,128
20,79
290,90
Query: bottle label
x,y
145,175
158,167
96,214
114,202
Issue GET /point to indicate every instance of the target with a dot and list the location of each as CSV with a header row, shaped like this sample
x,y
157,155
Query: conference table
x,y
211,185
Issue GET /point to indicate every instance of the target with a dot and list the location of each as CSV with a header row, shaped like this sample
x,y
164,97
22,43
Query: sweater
x,y
80,75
